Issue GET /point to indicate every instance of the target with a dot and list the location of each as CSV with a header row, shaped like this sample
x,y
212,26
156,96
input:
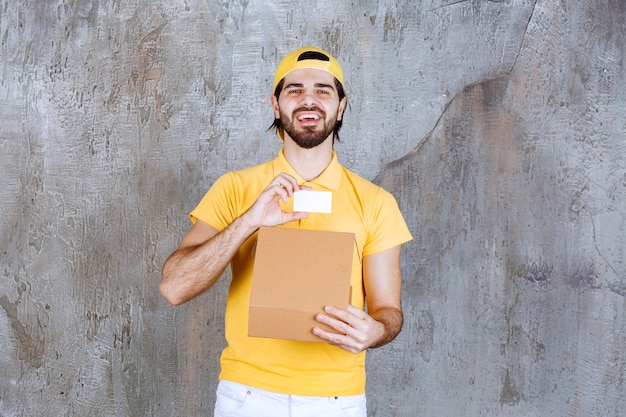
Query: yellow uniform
x,y
299,368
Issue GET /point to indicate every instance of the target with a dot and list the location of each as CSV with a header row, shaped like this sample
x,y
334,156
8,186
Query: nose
x,y
308,99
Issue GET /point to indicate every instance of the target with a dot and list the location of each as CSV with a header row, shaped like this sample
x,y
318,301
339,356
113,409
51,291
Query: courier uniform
x,y
293,367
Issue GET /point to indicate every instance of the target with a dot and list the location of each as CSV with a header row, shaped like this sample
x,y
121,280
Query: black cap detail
x,y
313,55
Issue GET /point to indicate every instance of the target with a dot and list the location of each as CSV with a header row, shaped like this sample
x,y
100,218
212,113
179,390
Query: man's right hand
x,y
266,211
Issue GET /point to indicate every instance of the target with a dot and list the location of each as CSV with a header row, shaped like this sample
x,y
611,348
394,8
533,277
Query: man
x,y
270,377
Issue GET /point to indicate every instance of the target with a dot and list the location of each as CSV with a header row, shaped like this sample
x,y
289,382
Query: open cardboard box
x,y
296,274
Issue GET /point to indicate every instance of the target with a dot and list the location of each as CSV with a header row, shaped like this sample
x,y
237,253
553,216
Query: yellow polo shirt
x,y
292,367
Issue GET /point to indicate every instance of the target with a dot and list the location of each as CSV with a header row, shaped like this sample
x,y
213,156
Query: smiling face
x,y
308,106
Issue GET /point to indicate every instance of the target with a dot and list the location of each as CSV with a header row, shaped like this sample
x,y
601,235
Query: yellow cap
x,y
308,57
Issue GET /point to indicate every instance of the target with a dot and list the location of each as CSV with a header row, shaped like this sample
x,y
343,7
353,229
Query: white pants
x,y
236,400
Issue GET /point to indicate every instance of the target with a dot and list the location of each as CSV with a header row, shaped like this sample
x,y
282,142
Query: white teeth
x,y
308,116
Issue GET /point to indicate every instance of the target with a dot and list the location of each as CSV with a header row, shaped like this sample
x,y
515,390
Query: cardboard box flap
x,y
296,273
287,324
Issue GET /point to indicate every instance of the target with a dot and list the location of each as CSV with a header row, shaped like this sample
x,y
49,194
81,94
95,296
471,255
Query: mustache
x,y
309,108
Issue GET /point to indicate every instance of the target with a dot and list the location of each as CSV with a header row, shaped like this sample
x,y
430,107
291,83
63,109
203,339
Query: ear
x,y
342,107
275,107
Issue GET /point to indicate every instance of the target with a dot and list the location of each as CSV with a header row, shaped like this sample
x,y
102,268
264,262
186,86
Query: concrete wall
x,y
498,125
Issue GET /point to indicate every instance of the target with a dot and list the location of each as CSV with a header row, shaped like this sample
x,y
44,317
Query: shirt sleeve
x,y
217,207
387,227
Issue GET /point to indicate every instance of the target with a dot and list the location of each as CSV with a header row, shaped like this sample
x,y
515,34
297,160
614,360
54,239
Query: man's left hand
x,y
357,329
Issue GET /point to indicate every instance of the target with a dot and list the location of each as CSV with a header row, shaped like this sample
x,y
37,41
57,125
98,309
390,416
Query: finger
x,y
295,215
283,191
340,325
353,316
357,312
333,338
290,183
339,340
274,192
287,182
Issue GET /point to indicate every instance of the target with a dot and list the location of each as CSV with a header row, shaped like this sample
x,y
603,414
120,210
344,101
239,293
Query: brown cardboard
x,y
296,273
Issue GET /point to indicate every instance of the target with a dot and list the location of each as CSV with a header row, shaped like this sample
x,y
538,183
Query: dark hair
x,y
340,91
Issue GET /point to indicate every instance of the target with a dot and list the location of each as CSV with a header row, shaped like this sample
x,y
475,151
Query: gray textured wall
x,y
499,126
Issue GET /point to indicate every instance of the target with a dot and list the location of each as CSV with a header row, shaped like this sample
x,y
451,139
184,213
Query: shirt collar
x,y
330,178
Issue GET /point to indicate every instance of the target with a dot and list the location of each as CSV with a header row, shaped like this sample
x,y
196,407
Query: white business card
x,y
313,201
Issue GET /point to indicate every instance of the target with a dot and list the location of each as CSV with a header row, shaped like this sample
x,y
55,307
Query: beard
x,y
308,137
